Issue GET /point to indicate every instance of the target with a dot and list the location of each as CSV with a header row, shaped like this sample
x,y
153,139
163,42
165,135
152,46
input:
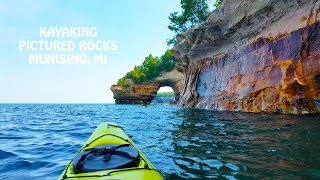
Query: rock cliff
x,y
253,56
144,93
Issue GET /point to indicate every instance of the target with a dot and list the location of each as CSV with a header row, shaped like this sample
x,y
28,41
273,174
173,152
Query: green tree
x,y
137,74
217,4
150,67
123,82
193,13
166,61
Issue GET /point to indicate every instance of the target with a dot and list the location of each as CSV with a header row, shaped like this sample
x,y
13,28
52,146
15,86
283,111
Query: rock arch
x,y
175,87
144,93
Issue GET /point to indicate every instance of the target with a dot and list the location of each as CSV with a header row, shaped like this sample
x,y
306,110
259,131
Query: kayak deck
x,y
106,134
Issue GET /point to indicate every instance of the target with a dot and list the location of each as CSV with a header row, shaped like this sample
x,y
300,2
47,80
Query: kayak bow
x,y
109,153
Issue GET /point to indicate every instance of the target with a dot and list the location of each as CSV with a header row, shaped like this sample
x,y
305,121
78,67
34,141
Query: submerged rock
x,y
253,56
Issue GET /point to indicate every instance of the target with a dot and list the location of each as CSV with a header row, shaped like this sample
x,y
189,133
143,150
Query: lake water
x,y
38,141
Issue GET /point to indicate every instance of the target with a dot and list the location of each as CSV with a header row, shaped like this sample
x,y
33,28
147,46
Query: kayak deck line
x,y
109,134
87,145
115,171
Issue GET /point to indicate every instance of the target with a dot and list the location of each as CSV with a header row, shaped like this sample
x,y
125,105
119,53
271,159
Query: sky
x,y
138,26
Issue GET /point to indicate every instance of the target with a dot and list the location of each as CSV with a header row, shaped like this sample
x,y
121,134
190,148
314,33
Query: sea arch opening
x,y
165,95
169,88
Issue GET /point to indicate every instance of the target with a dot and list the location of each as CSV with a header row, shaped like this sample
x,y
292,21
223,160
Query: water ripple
x,y
38,141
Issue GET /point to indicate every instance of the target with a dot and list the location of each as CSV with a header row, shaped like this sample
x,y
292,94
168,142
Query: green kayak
x,y
110,154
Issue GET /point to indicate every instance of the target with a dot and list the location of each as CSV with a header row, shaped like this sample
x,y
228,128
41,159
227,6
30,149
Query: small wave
x,y
26,165
6,154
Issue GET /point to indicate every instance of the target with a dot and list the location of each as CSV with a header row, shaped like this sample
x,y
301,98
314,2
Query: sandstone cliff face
x,y
253,56
144,93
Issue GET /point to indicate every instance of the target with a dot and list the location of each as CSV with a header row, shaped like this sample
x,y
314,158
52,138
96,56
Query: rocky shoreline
x,y
253,56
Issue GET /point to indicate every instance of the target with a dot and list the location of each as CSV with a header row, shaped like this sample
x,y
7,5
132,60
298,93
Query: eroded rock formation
x,y
253,56
144,93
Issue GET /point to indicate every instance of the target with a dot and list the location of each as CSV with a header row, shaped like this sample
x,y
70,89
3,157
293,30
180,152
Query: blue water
x,y
37,141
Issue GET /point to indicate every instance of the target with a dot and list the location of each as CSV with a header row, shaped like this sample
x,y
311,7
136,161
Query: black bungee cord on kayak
x,y
86,160
106,150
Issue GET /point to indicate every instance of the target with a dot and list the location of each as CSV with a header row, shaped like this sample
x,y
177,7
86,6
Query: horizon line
x,y
55,103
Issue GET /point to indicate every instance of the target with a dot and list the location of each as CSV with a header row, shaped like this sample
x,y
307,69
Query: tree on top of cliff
x,y
193,13
150,67
122,82
149,70
137,74
166,61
